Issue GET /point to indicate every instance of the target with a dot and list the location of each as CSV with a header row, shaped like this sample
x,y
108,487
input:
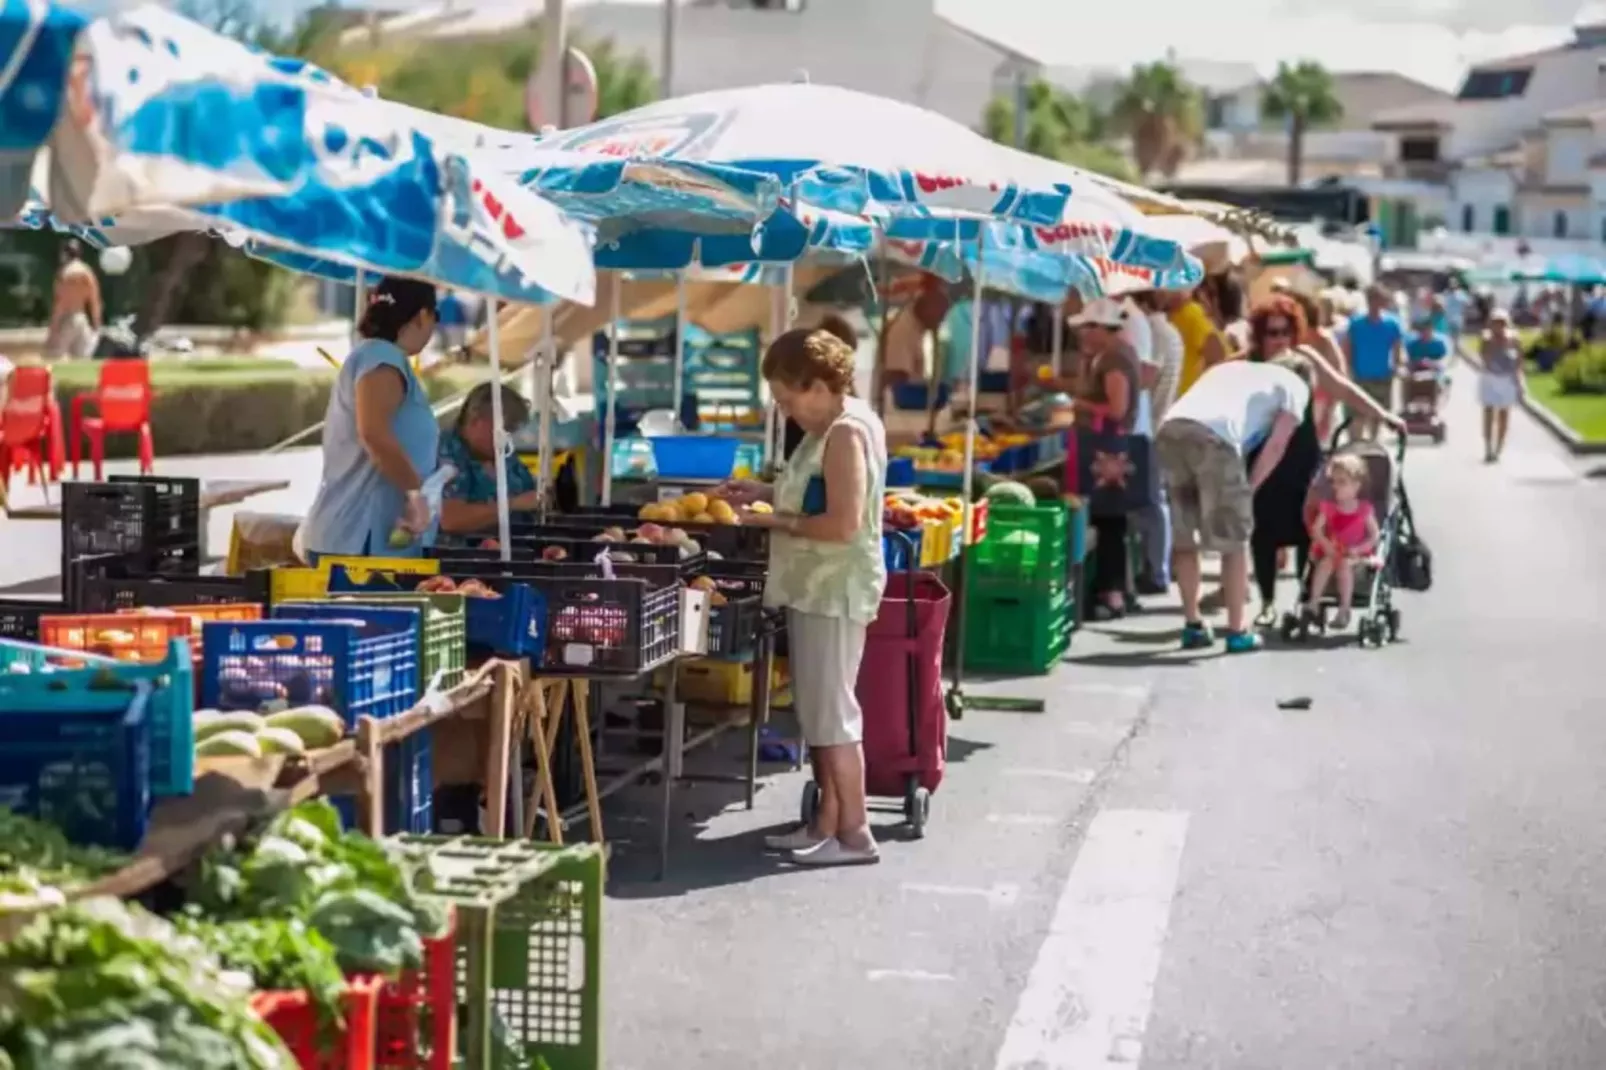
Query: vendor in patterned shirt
x,y
468,508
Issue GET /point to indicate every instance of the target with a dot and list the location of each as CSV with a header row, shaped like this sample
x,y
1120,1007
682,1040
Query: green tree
x,y
1059,126
1302,96
1162,113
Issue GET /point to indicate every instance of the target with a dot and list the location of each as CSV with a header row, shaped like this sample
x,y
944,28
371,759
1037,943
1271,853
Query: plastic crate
x,y
443,643
417,1012
315,1046
1017,634
915,396
291,584
78,759
175,526
117,636
409,785
197,616
694,456
940,542
367,668
20,656
19,617
512,625
529,941
976,530
733,542
610,627
715,682
97,592
126,519
1026,549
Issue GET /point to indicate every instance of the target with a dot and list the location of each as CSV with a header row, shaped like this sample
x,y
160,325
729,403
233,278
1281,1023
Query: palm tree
x,y
1059,126
1162,113
1301,95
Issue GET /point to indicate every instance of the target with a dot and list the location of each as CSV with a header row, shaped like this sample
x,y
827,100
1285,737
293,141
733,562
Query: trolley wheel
x,y
810,808
1393,619
1290,628
916,807
1369,632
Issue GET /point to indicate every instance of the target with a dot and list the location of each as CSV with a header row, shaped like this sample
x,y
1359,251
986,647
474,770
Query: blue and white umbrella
x,y
160,114
36,51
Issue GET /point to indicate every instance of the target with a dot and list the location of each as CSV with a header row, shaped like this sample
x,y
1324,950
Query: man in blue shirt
x,y
1429,350
1373,345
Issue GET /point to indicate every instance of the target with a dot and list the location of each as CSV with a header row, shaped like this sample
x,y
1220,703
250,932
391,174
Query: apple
x,y
554,553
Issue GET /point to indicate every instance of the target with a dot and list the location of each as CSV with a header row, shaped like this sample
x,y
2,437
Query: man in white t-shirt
x,y
1233,409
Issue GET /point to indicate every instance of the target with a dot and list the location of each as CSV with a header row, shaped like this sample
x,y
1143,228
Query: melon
x,y
209,723
1009,492
280,741
230,744
318,726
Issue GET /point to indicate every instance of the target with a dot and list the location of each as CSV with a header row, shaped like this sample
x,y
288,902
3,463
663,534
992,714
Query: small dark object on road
x,y
1299,702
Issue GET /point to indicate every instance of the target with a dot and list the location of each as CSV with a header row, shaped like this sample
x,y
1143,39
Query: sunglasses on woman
x,y
1279,330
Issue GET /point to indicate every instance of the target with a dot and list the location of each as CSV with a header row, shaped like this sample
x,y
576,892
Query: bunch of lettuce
x,y
38,864
101,985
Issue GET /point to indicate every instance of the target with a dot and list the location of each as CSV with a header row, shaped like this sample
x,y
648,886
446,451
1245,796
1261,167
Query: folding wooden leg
x,y
534,703
588,765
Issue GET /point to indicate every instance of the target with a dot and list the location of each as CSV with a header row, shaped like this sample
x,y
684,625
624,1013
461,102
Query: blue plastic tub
x,y
513,625
80,760
901,549
62,676
913,397
901,472
694,456
410,785
357,661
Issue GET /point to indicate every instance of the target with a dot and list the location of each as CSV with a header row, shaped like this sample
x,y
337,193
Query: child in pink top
x,y
1344,532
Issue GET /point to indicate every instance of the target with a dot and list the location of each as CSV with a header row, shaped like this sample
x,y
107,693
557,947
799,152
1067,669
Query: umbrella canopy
x,y
842,149
168,126
1573,269
36,51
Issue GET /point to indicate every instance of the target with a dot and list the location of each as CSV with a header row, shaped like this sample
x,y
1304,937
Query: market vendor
x,y
826,570
379,436
468,506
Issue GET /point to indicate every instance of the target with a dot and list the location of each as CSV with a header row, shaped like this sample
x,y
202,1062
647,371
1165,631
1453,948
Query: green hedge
x,y
1583,371
224,406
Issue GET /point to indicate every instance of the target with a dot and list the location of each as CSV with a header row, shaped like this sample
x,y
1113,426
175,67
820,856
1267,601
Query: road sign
x,y
580,82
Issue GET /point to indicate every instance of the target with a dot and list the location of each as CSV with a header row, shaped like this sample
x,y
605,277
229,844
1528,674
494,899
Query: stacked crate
x,y
1018,603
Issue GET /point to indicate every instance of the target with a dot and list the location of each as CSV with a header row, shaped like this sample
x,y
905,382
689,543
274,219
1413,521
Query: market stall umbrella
x,y
1573,269
167,126
837,148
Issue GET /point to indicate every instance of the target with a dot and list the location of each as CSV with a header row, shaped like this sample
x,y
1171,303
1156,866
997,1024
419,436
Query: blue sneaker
x,y
1197,636
1244,642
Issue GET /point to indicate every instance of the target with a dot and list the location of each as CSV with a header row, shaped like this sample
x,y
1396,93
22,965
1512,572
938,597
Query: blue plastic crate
x,y
694,456
409,785
512,625
357,664
83,767
63,676
901,549
901,472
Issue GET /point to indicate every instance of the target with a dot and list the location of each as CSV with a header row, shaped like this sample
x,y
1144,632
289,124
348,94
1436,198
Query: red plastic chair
x,y
123,404
25,439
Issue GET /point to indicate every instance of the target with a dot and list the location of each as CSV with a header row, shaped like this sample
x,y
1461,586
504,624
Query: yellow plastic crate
x,y
720,683
300,584
937,542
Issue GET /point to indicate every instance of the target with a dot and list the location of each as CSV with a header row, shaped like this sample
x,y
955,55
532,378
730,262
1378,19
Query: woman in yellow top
x,y
1202,343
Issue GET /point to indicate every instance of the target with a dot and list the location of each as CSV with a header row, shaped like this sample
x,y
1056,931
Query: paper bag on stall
x,y
263,540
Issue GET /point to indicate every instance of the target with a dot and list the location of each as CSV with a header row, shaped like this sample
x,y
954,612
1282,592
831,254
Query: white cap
x,y
1101,312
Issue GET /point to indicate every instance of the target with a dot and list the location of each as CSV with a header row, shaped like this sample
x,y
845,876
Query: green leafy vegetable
x,y
43,850
101,985
279,956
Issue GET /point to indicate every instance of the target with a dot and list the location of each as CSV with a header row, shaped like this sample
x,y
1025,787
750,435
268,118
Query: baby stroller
x,y
1421,396
1378,620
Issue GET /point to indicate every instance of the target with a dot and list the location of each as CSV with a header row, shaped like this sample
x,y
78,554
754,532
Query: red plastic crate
x,y
142,638
295,1019
418,1011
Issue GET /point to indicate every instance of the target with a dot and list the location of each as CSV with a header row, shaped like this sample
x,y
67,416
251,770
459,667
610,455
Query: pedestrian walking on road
x,y
1501,385
1373,347
826,570
1231,411
75,313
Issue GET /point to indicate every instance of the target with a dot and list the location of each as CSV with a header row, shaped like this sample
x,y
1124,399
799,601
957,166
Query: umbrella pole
x,y
545,361
610,410
958,702
1059,339
780,323
502,445
878,368
680,338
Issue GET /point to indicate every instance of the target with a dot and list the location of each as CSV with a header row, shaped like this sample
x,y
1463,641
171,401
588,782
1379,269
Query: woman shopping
x,y
379,437
826,570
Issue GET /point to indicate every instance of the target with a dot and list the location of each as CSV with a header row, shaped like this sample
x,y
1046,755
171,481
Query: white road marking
x,y
908,975
1023,819
999,895
1073,776
1086,1003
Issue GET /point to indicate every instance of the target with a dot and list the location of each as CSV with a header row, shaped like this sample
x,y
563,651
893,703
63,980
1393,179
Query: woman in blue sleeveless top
x,y
380,436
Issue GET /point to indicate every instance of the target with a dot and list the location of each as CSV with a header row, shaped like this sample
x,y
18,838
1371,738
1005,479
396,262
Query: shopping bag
x,y
1112,471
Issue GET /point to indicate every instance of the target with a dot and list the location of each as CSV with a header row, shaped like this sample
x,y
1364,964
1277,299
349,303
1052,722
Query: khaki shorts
x,y
1212,505
827,652
1379,390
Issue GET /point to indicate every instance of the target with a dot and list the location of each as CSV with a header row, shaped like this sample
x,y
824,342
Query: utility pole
x,y
1020,107
555,64
671,9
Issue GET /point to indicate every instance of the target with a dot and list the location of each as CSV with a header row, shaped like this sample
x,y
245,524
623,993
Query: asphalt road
x,y
1166,870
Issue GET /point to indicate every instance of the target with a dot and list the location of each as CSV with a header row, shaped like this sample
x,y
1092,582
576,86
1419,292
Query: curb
x,y
1548,420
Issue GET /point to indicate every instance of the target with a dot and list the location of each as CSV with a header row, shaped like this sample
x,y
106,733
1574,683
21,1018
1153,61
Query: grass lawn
x,y
1584,413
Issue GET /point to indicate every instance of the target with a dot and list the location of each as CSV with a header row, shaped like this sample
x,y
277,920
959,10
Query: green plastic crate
x,y
1026,549
1017,633
529,944
443,644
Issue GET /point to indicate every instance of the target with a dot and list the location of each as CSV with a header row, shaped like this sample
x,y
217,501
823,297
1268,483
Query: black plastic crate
x,y
610,627
578,543
734,628
734,542
489,566
176,521
126,520
19,617
107,594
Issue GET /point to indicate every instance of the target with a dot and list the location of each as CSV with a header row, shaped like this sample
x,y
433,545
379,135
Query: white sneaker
x,y
833,852
799,839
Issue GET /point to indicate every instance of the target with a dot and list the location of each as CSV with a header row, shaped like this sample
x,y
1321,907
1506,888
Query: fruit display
x,y
706,583
907,512
446,585
243,734
1009,492
693,508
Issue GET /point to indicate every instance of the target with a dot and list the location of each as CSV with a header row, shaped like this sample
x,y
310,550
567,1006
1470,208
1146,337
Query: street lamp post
x,y
555,63
671,10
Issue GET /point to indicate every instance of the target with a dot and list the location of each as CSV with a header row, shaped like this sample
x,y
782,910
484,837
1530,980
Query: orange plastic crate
x,y
198,616
418,1011
295,1019
114,635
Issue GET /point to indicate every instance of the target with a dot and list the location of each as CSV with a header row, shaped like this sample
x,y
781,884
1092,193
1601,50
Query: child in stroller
x,y
1427,380
1354,513
1344,534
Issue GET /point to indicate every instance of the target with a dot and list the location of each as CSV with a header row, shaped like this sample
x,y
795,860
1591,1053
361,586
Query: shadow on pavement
x,y
960,748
